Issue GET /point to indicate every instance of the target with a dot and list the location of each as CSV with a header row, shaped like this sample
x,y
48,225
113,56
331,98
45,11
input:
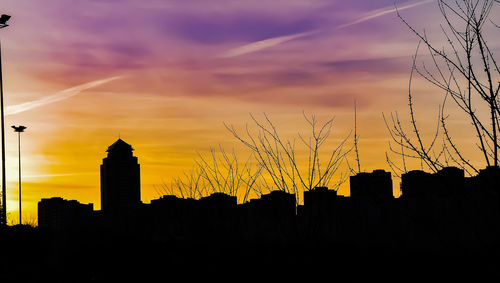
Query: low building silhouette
x,y
321,214
58,214
450,181
375,185
486,181
172,218
216,216
269,218
372,208
417,183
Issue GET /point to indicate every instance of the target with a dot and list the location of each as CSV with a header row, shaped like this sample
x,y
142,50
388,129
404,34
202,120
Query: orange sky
x,y
166,75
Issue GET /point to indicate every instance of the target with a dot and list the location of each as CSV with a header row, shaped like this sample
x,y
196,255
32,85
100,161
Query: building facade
x,y
58,214
375,185
120,178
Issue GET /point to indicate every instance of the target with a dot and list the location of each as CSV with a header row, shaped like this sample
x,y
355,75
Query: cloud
x,y
262,44
381,12
270,42
62,95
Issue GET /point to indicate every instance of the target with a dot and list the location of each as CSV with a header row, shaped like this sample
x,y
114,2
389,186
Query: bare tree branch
x,y
466,70
278,156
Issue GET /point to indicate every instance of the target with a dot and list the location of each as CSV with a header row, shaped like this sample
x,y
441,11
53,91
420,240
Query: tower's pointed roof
x,y
119,145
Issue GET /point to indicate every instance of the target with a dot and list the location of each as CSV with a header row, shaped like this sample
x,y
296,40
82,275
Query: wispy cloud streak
x,y
270,42
262,44
40,176
381,12
61,95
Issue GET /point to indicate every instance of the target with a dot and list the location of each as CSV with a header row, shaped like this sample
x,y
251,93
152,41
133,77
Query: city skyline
x,y
166,75
441,222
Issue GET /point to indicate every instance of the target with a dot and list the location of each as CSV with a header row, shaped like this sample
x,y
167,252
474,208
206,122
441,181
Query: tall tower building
x,y
120,177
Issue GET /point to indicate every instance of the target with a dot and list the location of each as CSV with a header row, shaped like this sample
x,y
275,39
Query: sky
x,y
166,75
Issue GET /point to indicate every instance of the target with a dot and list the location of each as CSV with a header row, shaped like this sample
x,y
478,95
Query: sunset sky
x,y
164,75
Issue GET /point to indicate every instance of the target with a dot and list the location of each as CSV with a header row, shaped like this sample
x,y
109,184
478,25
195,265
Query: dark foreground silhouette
x,y
440,229
444,228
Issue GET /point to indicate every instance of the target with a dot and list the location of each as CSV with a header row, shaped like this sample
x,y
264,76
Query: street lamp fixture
x,y
19,130
3,20
3,213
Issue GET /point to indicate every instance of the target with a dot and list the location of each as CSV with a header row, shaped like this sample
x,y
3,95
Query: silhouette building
x,y
375,185
120,178
440,213
488,179
445,182
59,214
318,202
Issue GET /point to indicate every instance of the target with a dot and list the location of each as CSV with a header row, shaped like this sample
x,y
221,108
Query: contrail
x,y
383,11
270,42
61,95
266,43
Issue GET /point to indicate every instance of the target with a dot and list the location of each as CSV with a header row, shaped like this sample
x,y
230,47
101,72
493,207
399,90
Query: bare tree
x,y
278,156
357,169
30,220
189,185
216,172
466,71
223,173
356,138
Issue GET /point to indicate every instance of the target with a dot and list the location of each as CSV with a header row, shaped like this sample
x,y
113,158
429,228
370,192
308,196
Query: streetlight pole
x,y
19,129
3,214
